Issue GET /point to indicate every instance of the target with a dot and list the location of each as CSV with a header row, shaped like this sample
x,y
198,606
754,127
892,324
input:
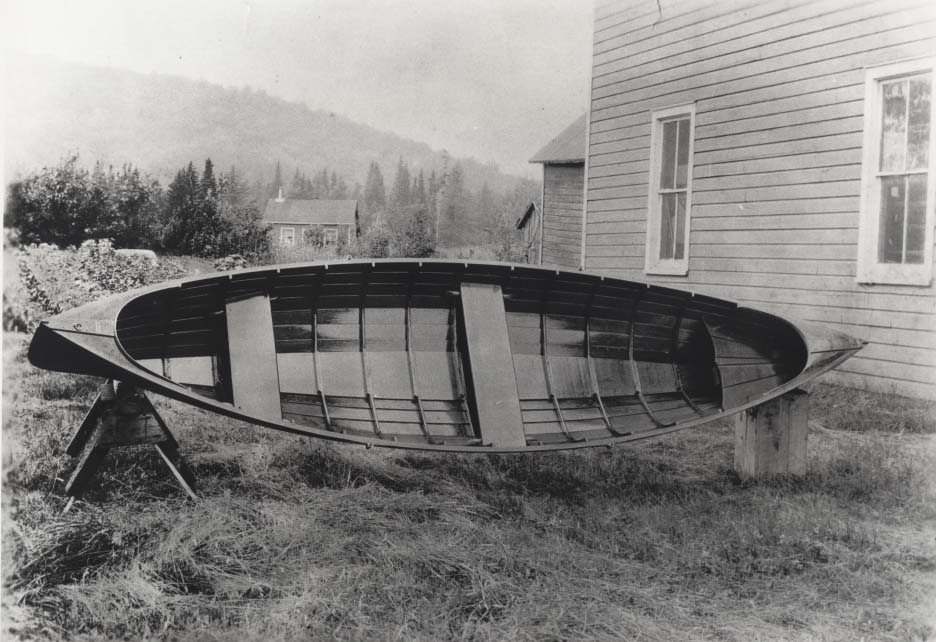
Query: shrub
x,y
53,280
230,262
66,204
102,271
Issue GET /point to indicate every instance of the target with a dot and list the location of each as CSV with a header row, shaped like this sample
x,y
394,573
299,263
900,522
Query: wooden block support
x,y
770,439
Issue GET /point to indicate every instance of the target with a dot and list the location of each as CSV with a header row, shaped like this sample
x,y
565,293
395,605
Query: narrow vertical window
x,y
288,235
670,191
895,244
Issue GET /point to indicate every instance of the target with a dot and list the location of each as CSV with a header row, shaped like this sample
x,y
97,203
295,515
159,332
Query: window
x,y
331,236
671,140
895,236
288,235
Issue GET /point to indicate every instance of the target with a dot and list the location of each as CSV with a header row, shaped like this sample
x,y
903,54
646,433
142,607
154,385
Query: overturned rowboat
x,y
442,355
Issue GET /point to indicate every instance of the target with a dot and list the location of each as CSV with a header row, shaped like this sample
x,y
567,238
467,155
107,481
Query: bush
x,y
67,204
408,236
53,280
230,262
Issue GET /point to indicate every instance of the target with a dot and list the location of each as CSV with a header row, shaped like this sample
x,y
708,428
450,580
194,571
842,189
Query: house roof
x,y
567,147
310,212
525,217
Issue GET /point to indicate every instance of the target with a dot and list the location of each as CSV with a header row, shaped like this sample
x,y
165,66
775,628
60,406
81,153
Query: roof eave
x,y
556,161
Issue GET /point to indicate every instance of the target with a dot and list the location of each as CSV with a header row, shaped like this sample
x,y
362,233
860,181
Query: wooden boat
x,y
442,355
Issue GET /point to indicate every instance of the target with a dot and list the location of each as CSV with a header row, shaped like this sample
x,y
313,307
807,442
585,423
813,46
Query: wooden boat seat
x,y
252,354
494,383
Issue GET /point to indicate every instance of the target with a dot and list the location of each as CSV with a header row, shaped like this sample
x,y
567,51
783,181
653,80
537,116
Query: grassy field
x,y
296,539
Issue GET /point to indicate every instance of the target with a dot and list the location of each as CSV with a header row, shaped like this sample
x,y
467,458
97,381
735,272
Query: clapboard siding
x,y
733,31
771,164
867,52
563,200
778,89
784,41
831,43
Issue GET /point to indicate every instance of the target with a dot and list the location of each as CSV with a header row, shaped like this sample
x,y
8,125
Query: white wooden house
x,y
293,221
779,153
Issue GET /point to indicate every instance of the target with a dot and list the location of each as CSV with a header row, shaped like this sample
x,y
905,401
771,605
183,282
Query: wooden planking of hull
x,y
442,355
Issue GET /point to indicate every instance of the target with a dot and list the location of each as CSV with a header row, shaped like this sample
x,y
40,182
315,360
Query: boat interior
x,y
458,354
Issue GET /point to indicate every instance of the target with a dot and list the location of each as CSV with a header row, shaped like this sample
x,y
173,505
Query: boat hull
x,y
442,355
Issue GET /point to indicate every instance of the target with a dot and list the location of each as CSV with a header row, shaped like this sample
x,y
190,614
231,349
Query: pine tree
x,y
453,227
400,197
181,205
277,181
341,192
419,190
241,218
209,186
375,197
295,188
415,238
488,215
320,185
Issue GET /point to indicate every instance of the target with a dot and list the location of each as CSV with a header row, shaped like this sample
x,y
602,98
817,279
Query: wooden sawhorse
x,y
121,416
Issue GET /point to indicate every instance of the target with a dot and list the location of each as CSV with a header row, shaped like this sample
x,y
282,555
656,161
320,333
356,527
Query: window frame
x,y
331,236
869,270
292,231
652,263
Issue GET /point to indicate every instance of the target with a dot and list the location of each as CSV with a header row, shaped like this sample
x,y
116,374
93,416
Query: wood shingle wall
x,y
778,89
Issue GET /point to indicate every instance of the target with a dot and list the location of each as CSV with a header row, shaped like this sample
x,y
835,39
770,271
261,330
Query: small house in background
x,y
560,230
292,219
781,154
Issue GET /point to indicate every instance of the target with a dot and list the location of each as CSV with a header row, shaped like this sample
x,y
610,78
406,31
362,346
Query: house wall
x,y
563,199
300,231
778,88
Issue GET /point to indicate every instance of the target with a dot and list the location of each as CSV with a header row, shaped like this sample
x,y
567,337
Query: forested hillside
x,y
68,119
160,123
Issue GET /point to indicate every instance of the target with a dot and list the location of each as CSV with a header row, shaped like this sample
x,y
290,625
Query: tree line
x,y
421,212
201,212
208,213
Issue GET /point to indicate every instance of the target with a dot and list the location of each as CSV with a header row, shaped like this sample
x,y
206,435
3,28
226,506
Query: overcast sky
x,y
493,79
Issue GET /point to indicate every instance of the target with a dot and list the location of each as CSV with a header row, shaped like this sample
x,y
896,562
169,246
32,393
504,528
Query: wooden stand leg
x,y
122,417
770,439
169,451
92,454
104,399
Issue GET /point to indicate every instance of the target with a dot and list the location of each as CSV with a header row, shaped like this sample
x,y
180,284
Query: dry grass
x,y
844,409
295,539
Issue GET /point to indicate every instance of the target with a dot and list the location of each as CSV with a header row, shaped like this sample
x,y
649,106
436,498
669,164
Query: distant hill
x,y
160,123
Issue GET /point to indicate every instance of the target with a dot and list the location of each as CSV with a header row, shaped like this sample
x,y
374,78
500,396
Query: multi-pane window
x,y
288,235
896,245
670,191
331,236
